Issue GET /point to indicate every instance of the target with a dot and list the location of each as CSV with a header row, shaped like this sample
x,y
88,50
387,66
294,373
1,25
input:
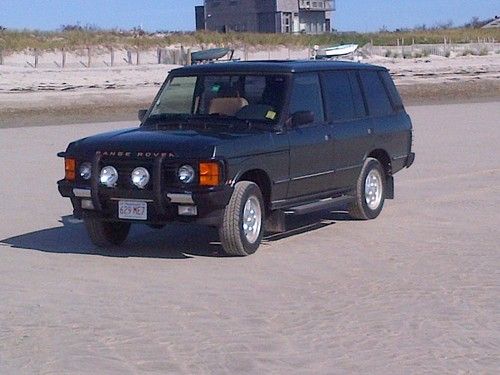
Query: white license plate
x,y
132,210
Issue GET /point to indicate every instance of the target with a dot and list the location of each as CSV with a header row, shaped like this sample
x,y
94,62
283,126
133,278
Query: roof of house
x,y
274,66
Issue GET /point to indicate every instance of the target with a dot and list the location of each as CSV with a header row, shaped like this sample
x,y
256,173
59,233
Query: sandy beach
x,y
414,291
51,95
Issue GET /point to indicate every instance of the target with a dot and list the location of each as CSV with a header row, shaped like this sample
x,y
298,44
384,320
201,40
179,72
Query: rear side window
x,y
359,102
393,92
306,96
338,95
376,94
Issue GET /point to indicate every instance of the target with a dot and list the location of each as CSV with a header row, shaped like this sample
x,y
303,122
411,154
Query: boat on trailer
x,y
336,51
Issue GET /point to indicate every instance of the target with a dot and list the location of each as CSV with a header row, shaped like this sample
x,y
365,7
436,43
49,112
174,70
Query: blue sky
x,y
359,15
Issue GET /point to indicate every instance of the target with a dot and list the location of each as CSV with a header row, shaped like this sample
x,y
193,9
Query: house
x,y
266,16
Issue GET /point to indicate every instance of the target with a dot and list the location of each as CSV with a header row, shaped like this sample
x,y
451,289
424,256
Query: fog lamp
x,y
140,177
109,176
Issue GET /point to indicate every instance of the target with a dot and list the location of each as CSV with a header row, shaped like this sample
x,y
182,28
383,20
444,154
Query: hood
x,y
176,143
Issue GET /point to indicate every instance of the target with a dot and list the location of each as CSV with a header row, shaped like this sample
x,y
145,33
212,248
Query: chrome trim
x,y
399,157
180,198
132,200
347,168
312,175
82,193
277,182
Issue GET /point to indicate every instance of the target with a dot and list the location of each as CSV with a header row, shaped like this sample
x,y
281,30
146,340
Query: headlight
x,y
140,177
85,171
186,174
109,176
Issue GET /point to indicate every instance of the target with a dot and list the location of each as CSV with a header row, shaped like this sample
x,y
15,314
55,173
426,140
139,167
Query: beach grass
x,y
21,40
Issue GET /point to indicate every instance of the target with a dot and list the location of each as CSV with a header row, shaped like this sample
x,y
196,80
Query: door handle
x,y
370,130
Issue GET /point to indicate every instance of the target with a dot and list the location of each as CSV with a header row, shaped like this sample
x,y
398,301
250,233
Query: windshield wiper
x,y
181,121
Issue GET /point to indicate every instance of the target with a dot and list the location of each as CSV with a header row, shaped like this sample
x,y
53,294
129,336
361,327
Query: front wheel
x,y
242,226
106,234
370,191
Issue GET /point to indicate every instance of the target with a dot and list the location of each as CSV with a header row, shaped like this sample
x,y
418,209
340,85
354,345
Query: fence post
x,y
36,58
158,55
1,56
129,57
188,57
63,59
112,52
89,56
138,60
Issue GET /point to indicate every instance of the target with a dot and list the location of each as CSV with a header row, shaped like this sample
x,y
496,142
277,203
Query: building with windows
x,y
266,16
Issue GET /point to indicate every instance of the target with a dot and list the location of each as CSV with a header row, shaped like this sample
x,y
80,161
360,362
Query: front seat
x,y
226,106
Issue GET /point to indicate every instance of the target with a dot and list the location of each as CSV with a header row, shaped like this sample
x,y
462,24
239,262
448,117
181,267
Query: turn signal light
x,y
69,169
210,173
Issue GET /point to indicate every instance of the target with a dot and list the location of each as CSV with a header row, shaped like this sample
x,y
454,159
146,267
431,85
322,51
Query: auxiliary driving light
x,y
85,171
186,174
109,176
140,177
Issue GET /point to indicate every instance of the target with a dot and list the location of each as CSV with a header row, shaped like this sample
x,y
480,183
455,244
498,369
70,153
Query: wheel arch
x,y
262,180
383,157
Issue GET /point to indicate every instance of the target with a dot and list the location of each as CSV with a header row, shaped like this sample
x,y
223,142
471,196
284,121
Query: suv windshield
x,y
246,97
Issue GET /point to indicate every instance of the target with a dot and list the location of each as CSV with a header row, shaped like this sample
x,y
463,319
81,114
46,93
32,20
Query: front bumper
x,y
162,205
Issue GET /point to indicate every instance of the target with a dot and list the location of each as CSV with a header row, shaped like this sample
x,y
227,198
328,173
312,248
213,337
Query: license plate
x,y
132,210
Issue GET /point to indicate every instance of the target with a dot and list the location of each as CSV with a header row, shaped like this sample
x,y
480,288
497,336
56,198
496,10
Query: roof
x,y
274,66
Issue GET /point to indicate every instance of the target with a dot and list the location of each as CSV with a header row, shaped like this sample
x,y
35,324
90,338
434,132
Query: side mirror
x,y
302,118
141,114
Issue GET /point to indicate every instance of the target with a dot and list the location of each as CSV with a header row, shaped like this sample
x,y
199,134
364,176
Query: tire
x,y
369,194
236,237
106,234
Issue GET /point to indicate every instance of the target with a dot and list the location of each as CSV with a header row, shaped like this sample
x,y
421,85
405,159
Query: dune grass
x,y
14,41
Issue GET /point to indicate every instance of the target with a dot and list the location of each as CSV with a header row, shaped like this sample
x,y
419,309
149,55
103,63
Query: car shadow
x,y
175,241
298,224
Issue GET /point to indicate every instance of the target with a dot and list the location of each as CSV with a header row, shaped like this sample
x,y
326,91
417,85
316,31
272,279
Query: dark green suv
x,y
239,145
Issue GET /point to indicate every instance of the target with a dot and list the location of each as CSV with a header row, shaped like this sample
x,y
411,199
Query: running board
x,y
328,203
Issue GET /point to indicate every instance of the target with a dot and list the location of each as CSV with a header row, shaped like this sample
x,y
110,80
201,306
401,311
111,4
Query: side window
x,y
393,92
376,94
306,96
338,94
357,96
254,87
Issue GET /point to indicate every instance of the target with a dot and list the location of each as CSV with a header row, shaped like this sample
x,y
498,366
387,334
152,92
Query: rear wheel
x,y
370,191
242,227
106,234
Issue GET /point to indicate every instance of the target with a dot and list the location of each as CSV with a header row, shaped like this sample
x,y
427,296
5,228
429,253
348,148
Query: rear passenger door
x,y
310,144
350,126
